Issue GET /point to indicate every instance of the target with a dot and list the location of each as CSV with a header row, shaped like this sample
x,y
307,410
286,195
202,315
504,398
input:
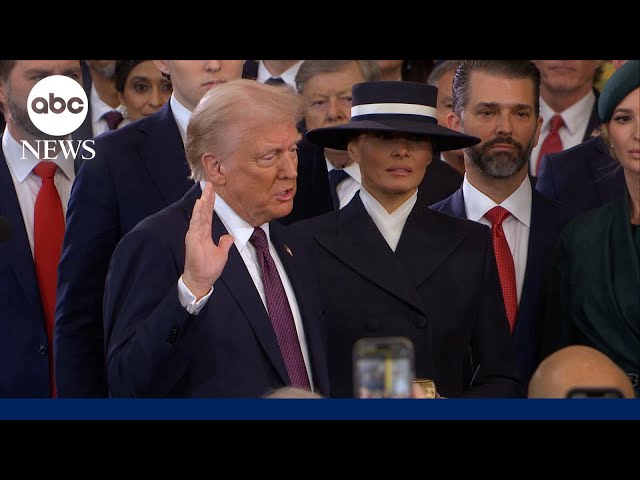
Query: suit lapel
x,y
18,251
425,242
164,155
359,244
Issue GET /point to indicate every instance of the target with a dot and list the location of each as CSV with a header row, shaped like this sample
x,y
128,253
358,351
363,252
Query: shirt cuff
x,y
188,299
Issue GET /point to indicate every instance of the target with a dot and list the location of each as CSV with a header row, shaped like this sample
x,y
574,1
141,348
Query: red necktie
x,y
113,119
280,312
504,259
552,143
48,230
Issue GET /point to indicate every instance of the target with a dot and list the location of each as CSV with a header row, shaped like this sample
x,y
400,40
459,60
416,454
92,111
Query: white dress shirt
x,y
241,232
27,183
348,187
389,224
515,226
98,109
182,115
288,76
576,119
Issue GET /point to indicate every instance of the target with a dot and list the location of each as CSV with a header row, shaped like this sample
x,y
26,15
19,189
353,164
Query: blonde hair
x,y
235,107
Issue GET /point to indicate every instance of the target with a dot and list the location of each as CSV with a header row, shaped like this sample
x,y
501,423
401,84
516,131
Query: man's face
x,y
105,68
14,91
501,111
566,76
328,97
260,172
445,98
191,79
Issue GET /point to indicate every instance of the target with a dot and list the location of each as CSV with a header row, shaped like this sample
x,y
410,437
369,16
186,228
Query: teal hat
x,y
623,81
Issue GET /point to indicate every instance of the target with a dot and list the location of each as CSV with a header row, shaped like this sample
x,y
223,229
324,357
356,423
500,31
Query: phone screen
x,y
383,368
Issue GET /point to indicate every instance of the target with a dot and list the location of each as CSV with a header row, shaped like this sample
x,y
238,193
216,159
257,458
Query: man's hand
x,y
204,261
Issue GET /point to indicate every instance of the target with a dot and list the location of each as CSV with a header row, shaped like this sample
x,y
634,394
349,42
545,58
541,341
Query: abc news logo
x,y
57,106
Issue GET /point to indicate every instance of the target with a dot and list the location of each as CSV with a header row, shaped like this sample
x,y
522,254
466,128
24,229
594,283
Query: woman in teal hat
x,y
595,288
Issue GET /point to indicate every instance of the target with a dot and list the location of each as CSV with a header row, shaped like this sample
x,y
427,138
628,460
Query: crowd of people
x,y
242,224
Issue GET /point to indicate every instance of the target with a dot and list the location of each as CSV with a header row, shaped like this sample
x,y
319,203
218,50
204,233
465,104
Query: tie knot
x,y
497,215
556,122
337,175
45,170
113,119
275,81
259,240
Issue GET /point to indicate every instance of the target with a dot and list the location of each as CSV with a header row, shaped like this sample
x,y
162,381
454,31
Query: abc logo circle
x,y
57,105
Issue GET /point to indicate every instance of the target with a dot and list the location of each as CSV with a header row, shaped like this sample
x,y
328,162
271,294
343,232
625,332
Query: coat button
x,y
173,335
43,350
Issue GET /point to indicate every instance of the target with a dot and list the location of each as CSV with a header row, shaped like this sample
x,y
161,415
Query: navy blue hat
x,y
621,83
392,106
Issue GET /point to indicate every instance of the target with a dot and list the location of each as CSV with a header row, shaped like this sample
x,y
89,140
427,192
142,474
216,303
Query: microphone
x,y
5,230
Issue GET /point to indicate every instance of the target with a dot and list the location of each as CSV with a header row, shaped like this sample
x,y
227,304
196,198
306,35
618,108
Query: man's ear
x,y
213,169
163,66
453,122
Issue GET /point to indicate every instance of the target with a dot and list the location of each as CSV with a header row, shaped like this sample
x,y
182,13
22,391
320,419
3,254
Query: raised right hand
x,y
204,261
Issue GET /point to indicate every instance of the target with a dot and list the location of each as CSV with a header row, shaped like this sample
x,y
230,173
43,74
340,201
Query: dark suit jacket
x,y
24,350
138,170
313,196
547,219
155,348
583,177
440,289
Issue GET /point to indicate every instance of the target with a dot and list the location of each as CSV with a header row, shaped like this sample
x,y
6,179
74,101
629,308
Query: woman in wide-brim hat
x,y
390,266
595,294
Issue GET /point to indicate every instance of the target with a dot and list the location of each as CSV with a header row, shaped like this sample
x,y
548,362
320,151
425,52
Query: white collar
x,y
353,170
573,117
518,203
181,114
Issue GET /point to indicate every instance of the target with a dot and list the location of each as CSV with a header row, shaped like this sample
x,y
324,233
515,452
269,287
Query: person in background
x,y
497,100
583,177
442,78
210,297
103,97
142,89
578,367
274,72
594,297
390,266
137,171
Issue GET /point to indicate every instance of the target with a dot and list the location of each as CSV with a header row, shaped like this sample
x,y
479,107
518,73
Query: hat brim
x,y
442,138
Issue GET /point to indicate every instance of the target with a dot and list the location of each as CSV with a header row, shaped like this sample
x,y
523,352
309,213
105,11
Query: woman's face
x,y
392,164
145,91
624,132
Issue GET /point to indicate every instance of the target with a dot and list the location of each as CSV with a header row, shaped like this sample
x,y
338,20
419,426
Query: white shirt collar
x,y
575,117
236,226
98,107
353,170
518,203
181,114
288,76
22,168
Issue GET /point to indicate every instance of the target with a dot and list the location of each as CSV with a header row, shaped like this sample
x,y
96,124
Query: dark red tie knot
x,y
45,170
259,240
496,216
556,123
113,119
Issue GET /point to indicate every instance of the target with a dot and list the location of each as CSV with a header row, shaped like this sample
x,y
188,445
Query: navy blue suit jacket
x,y
415,292
24,358
583,177
547,219
138,170
155,348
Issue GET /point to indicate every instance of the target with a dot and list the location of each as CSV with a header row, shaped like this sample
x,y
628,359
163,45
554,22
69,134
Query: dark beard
x,y
499,164
20,117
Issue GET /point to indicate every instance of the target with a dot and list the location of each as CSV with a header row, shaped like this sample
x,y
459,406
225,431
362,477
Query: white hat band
x,y
394,109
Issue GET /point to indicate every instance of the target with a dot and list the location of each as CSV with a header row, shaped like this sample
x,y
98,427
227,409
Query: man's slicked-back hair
x,y
500,68
310,68
234,107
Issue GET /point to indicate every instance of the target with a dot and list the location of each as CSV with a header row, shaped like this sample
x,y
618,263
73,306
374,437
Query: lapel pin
x,y
288,250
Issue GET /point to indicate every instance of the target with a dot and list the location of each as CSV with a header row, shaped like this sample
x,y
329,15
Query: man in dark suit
x,y
137,170
498,102
583,177
27,290
220,304
390,266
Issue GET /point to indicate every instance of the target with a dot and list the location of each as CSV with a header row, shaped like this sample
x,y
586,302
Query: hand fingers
x,y
225,243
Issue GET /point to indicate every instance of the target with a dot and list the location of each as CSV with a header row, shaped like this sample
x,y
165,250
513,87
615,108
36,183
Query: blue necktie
x,y
336,176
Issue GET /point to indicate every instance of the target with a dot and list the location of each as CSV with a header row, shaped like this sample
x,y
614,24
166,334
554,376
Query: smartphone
x,y
383,367
595,393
